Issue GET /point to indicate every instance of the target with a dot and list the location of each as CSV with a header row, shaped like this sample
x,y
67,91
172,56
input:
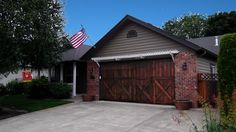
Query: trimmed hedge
x,y
3,90
226,65
37,89
41,88
15,87
60,90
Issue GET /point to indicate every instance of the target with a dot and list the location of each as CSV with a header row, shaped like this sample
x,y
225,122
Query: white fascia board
x,y
143,55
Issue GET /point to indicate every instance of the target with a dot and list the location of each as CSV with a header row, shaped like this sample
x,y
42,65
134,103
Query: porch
x,y
71,70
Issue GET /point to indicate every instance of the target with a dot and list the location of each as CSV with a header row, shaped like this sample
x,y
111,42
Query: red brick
x,y
93,80
186,80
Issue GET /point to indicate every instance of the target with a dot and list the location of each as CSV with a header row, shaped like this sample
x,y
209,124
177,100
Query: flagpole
x,y
85,31
82,26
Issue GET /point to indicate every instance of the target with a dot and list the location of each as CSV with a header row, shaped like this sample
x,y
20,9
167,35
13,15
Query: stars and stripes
x,y
78,39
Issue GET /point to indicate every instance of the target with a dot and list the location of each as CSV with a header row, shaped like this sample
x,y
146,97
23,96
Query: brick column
x,y
186,79
93,80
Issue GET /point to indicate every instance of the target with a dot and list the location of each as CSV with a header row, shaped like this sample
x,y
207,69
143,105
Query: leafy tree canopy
x,y
187,26
221,23
31,33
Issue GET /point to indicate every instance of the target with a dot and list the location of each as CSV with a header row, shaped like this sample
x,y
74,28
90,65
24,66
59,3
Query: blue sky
x,y
99,16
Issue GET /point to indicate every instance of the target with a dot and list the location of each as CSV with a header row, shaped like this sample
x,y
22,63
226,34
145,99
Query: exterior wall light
x,y
184,66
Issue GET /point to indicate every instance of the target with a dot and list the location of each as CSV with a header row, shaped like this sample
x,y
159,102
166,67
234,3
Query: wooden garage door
x,y
146,81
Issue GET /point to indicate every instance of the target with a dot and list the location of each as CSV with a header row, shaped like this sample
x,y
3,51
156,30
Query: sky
x,y
100,16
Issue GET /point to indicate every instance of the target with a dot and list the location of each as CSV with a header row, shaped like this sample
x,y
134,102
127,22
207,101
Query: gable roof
x,y
75,54
127,19
208,43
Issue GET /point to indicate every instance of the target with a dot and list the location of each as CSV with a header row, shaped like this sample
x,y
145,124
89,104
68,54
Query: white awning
x,y
136,56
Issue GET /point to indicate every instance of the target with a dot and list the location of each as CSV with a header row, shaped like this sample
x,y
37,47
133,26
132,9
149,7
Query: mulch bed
x,y
7,112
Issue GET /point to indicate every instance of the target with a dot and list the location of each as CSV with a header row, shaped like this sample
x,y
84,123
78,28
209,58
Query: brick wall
x,y
93,80
186,80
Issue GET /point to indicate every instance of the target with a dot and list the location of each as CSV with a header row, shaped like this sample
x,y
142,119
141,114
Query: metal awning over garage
x,y
135,56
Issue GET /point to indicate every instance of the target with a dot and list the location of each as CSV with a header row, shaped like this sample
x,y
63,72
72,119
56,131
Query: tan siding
x,y
146,41
203,65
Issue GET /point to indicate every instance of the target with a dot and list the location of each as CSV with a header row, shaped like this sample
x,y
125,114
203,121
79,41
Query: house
x,y
138,62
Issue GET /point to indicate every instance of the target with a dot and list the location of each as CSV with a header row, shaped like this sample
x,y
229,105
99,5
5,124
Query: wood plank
x,y
137,81
162,89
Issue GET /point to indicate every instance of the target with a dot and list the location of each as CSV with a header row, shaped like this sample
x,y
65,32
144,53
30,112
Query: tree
x,y
187,26
221,23
226,64
35,32
10,30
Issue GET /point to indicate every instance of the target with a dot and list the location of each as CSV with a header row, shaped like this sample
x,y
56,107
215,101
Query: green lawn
x,y
21,102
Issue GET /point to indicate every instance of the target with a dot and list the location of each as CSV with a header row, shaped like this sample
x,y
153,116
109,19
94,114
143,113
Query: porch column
x,y
49,74
74,79
61,72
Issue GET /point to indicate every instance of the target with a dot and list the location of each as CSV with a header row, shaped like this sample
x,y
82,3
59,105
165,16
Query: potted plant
x,y
183,104
86,97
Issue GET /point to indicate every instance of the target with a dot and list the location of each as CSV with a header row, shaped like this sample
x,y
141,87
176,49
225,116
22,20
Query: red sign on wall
x,y
27,76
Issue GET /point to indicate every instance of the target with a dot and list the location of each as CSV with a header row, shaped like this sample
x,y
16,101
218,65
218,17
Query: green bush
x,y
3,90
226,65
38,89
60,90
41,88
15,87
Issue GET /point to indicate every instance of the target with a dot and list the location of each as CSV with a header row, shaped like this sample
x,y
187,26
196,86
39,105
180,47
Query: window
x,y
213,68
132,33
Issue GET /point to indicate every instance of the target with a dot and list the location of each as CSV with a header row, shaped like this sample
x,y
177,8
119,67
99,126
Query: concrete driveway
x,y
102,116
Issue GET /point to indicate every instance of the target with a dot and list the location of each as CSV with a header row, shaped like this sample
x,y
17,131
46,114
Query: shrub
x,y
15,87
226,64
39,88
60,90
3,90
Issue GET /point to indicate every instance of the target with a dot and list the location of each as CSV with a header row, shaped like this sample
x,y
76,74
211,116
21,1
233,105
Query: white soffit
x,y
142,55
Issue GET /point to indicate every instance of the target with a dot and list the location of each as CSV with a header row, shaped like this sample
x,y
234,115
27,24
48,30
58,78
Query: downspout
x,y
96,62
172,57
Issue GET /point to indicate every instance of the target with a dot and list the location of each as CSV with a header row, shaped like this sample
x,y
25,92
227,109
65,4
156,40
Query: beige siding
x,y
146,41
203,65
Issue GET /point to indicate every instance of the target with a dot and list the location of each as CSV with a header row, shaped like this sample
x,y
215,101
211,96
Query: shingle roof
x,y
207,43
75,54
128,19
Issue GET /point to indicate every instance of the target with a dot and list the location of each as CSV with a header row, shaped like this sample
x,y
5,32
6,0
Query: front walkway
x,y
101,117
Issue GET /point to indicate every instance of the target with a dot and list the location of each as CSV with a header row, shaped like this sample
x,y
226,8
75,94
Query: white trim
x,y
143,55
61,72
74,79
49,74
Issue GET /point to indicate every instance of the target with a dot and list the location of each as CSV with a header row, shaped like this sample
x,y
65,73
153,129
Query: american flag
x,y
78,39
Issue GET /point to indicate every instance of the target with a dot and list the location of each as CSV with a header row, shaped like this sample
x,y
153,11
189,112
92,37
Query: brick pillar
x,y
93,80
186,79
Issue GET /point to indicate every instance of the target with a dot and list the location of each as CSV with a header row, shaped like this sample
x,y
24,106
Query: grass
x,y
21,102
